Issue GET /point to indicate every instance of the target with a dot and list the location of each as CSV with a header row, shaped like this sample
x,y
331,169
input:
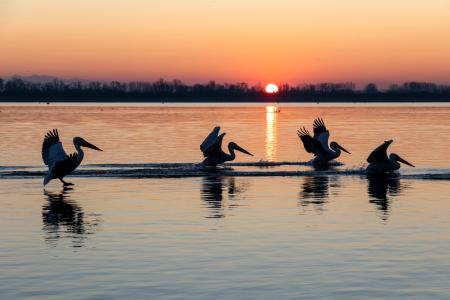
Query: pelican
x,y
59,163
212,149
380,163
318,145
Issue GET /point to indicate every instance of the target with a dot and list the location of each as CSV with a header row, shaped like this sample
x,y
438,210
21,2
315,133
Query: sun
x,y
271,88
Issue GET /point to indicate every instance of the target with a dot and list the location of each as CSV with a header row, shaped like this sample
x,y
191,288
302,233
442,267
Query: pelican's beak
x,y
89,145
242,150
343,149
404,161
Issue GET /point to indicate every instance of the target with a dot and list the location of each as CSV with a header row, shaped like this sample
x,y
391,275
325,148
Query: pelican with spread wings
x,y
59,163
318,145
380,163
212,149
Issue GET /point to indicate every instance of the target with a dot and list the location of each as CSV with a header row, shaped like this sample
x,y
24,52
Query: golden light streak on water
x,y
271,132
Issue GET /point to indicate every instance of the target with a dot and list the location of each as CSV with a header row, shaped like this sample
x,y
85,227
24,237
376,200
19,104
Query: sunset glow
x,y
227,41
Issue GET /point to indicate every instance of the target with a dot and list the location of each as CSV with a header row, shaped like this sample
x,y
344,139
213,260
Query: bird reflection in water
x,y
381,188
315,190
64,218
219,194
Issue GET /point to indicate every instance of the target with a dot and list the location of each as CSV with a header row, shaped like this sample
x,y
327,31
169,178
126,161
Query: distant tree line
x,y
18,89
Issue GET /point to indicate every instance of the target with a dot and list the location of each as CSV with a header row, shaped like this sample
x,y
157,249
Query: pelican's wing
x,y
311,144
321,132
380,153
213,142
52,149
209,140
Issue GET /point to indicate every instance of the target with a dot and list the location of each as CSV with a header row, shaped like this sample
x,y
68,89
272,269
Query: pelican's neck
x,y
80,151
336,151
394,163
232,155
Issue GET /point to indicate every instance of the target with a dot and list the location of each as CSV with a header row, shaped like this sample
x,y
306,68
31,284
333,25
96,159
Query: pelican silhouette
x,y
380,163
318,145
59,163
212,149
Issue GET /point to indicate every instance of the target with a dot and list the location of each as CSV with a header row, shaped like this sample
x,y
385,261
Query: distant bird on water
x,y
212,149
380,163
59,163
318,145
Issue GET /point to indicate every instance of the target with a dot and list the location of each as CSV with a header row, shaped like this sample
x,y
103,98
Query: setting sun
x,y
271,88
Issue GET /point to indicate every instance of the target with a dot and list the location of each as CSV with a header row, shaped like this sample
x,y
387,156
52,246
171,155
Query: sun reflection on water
x,y
271,132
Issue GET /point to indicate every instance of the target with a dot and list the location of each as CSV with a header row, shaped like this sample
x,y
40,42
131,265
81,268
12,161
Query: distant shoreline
x,y
212,100
175,91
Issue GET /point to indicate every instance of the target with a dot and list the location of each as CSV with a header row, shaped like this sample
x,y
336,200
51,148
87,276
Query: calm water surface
x,y
304,237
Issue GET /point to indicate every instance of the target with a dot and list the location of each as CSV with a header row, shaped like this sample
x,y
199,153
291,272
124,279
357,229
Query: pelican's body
x,y
59,163
212,149
318,145
380,163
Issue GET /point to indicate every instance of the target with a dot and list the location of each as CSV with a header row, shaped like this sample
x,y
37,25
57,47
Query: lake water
x,y
307,235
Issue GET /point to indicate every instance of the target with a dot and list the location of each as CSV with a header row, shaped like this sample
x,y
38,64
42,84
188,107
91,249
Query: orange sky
x,y
291,41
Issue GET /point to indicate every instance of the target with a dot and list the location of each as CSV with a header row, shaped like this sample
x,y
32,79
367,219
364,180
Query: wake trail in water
x,y
188,164
184,170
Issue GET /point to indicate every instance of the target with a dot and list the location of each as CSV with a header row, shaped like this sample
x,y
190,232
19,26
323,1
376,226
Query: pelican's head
x,y
335,145
235,146
395,157
83,143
